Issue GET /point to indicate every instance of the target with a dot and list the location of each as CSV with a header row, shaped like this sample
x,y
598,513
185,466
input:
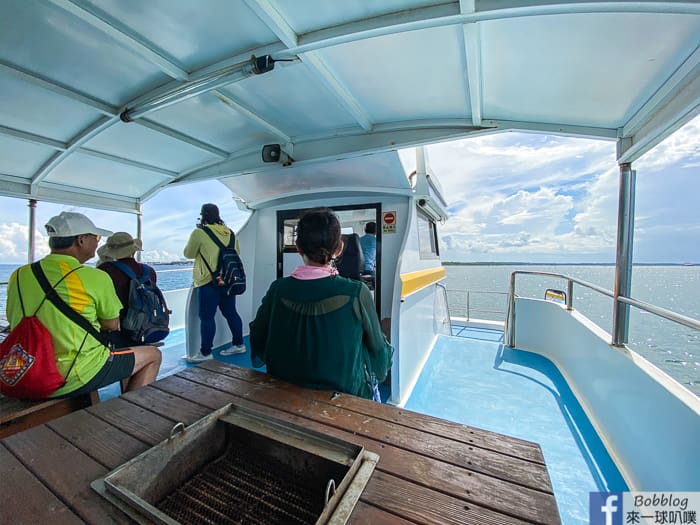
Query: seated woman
x,y
317,329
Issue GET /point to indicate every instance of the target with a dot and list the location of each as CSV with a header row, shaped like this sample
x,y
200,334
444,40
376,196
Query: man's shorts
x,y
119,365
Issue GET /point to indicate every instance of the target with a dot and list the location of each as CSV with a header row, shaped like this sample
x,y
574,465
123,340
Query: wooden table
x,y
430,470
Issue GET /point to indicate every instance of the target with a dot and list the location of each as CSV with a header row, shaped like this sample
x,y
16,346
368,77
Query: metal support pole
x,y
623,256
509,327
569,295
31,238
139,229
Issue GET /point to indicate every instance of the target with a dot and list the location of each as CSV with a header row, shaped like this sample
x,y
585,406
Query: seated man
x,y
369,249
84,362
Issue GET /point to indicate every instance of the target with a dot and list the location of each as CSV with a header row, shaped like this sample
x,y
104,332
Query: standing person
x,y
121,246
201,248
369,246
84,362
316,328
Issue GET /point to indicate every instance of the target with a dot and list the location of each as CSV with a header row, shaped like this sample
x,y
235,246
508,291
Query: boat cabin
x,y
293,104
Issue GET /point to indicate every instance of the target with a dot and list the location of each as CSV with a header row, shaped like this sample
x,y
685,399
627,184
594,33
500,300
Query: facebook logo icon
x,y
605,508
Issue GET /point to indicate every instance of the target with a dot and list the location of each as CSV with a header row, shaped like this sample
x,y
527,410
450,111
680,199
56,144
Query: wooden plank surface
x,y
27,501
477,488
476,436
429,471
512,469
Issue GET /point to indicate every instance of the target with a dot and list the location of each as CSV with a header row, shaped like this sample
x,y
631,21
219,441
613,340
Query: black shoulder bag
x,y
64,307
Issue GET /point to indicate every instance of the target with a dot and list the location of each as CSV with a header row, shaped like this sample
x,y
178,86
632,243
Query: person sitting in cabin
x,y
368,242
121,246
205,253
316,328
84,362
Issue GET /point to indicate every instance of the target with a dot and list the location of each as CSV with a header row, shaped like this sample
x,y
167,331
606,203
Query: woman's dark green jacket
x,y
320,333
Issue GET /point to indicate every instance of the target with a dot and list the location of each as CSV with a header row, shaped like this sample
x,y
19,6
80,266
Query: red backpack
x,y
27,360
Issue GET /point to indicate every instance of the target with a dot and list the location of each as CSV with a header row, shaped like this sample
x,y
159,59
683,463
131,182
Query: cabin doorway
x,y
352,218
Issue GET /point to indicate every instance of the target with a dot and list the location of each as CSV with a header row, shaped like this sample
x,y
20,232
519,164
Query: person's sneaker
x,y
199,357
235,349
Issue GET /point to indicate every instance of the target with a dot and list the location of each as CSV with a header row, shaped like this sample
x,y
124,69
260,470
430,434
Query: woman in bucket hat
x,y
121,246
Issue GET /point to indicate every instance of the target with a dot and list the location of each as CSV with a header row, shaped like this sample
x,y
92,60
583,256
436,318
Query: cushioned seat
x,y
351,262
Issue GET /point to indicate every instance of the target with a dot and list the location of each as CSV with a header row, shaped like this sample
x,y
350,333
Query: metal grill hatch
x,y
240,466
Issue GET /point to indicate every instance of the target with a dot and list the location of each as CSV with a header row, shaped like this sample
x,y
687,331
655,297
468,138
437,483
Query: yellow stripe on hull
x,y
414,281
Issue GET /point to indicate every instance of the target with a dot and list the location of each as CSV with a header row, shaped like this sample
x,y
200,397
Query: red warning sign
x,y
389,222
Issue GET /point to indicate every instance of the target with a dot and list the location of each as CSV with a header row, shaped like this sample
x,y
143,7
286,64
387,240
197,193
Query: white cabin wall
x,y
259,260
416,332
258,243
657,434
411,259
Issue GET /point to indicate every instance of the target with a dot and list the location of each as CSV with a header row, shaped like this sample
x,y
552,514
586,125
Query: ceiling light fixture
x,y
192,88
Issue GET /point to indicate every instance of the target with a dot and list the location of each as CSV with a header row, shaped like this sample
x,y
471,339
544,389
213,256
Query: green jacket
x,y
200,245
320,334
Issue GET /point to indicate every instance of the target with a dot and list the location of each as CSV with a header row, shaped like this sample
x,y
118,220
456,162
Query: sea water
x,y
672,347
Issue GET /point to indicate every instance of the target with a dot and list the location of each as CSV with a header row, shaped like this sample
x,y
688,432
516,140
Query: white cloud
x,y
13,243
512,196
682,147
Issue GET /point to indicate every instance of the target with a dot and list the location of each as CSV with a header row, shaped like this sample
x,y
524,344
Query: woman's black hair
x,y
210,214
318,235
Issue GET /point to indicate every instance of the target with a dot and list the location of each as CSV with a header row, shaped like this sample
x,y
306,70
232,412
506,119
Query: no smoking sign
x,y
389,222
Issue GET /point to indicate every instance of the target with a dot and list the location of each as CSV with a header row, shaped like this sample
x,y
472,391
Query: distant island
x,y
180,263
517,263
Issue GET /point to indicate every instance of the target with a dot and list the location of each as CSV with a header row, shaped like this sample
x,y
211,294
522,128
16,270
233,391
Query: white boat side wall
x,y
417,328
177,303
654,441
417,335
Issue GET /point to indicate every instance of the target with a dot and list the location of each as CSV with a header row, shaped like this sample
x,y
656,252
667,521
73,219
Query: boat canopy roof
x,y
104,102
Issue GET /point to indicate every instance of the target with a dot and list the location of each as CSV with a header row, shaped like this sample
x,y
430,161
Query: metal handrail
x,y
647,307
468,309
447,304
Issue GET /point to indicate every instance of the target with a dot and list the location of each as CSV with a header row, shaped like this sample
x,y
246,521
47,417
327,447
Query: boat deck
x,y
473,378
486,390
430,470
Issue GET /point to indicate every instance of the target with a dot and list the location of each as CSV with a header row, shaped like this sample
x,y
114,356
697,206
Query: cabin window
x,y
427,236
290,235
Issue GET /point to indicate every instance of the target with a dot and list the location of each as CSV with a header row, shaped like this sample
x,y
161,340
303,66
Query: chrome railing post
x,y
468,309
139,228
569,294
623,255
510,317
31,247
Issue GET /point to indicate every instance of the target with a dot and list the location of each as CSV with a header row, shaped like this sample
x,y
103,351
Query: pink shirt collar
x,y
307,273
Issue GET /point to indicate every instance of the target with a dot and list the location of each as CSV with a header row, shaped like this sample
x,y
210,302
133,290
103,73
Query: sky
x,y
511,196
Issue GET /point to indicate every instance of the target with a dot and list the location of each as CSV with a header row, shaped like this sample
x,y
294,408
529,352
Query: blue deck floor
x,y
475,380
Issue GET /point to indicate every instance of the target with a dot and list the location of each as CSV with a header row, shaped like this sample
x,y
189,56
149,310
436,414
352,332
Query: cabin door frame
x,y
283,215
